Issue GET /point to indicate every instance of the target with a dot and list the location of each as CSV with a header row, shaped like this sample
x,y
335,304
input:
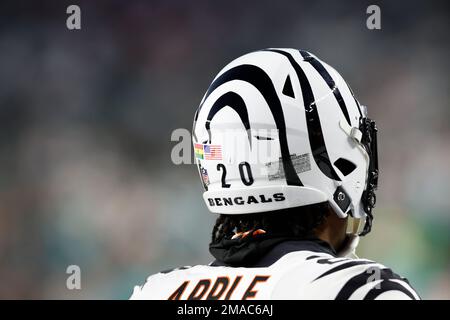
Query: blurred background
x,y
86,117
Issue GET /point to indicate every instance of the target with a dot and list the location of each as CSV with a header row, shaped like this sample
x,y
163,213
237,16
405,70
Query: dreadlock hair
x,y
296,222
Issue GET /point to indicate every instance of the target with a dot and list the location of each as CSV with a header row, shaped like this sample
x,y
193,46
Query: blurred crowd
x,y
86,117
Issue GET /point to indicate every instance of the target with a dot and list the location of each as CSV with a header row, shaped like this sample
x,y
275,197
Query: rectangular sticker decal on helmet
x,y
301,164
212,152
208,151
205,176
198,150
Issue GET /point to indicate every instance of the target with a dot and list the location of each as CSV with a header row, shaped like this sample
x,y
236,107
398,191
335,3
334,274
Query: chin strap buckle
x,y
352,132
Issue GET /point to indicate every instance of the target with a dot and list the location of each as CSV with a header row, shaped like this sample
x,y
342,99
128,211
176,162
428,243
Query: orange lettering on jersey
x,y
221,282
250,293
234,285
176,295
200,289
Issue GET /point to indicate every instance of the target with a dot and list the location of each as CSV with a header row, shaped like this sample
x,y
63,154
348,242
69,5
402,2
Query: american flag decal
x,y
212,152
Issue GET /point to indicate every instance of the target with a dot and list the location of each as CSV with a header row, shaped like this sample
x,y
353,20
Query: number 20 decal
x,y
245,172
224,173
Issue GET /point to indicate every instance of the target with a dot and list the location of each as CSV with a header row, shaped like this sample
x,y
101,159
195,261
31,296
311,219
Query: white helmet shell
x,y
277,129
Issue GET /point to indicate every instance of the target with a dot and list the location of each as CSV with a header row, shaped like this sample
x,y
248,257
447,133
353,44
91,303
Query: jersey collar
x,y
263,250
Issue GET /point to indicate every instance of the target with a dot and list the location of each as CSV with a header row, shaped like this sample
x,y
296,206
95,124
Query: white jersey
x,y
295,274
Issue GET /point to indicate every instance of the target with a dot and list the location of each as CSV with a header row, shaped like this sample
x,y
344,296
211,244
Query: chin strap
x,y
352,239
349,250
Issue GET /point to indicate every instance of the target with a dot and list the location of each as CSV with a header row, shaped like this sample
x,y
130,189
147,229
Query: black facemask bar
x,y
369,141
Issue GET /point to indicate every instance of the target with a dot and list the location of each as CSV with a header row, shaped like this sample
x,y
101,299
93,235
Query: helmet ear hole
x,y
345,166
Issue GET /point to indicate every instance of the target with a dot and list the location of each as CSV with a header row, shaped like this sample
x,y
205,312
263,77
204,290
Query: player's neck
x,y
333,231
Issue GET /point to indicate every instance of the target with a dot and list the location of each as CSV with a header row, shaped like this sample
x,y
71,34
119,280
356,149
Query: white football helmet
x,y
279,128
